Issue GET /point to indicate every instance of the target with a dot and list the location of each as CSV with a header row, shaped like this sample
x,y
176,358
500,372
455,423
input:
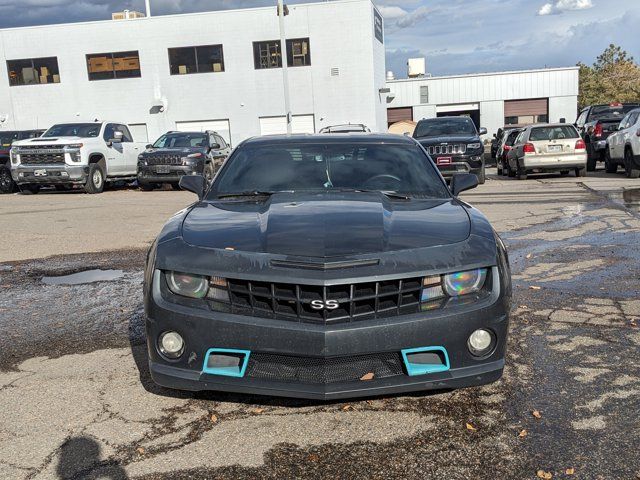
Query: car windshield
x,y
7,138
613,112
311,167
181,140
436,127
552,133
74,130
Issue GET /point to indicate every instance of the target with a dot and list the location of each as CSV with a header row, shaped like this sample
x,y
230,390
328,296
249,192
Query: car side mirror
x,y
482,131
148,146
460,182
215,146
193,183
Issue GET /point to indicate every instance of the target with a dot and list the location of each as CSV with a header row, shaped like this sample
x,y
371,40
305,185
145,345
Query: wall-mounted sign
x,y
377,25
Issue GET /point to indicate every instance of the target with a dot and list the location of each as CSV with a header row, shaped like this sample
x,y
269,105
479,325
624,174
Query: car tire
x,y
95,179
510,172
628,165
7,185
609,165
498,167
482,177
581,172
591,163
208,173
147,187
564,172
29,189
175,186
521,172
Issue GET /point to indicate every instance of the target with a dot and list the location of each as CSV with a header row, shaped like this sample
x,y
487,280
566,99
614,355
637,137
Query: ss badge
x,y
327,304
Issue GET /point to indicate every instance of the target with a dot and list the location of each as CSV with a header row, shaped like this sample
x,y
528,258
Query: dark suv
x,y
7,185
454,145
176,154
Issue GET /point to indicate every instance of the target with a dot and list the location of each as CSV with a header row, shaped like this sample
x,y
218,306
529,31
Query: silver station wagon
x,y
547,148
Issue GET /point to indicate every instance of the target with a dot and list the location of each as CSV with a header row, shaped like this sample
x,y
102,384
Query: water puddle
x,y
88,276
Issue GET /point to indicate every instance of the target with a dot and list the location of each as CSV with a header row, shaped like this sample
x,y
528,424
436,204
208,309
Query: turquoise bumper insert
x,y
417,364
226,361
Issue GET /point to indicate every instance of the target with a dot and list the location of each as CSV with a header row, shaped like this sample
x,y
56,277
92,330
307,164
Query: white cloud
x,y
397,17
392,12
561,6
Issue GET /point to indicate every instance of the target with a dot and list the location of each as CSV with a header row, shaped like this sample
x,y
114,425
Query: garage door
x,y
139,132
526,112
398,114
277,125
220,126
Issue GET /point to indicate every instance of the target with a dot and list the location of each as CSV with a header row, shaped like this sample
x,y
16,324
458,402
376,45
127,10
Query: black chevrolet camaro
x,y
327,266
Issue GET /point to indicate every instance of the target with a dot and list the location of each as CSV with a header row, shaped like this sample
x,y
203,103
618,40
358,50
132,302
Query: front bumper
x,y
49,174
458,164
448,328
169,174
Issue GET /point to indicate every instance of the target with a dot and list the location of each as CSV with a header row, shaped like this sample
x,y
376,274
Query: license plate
x,y
554,148
162,169
444,161
40,173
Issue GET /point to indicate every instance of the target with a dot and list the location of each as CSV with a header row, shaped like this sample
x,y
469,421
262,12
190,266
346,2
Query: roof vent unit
x,y
416,67
390,76
335,72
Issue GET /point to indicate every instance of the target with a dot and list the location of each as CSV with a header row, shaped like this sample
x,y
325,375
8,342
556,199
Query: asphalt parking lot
x,y
76,400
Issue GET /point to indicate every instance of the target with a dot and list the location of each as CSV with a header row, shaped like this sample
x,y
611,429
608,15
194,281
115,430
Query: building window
x,y
298,52
511,120
107,66
32,71
203,59
424,94
526,119
267,54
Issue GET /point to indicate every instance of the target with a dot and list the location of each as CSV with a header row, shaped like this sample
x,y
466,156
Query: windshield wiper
x,y
252,193
386,193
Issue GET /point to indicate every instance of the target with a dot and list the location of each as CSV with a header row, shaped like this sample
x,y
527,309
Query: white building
x,y
216,70
493,100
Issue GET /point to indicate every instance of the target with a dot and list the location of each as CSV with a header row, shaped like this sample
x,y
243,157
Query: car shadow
x,y
79,457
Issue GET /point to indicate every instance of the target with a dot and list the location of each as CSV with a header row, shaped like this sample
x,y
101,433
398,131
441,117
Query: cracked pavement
x,y
76,400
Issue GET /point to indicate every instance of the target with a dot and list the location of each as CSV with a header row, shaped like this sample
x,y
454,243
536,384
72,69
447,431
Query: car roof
x,y
449,117
345,138
535,125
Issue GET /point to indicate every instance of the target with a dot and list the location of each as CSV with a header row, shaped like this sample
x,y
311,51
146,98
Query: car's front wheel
x,y
7,185
95,179
482,177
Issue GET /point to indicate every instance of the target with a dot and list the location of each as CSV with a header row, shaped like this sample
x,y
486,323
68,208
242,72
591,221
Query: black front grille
x,y
451,149
354,301
42,158
311,370
160,159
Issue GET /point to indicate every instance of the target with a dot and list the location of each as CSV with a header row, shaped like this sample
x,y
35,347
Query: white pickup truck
x,y
87,154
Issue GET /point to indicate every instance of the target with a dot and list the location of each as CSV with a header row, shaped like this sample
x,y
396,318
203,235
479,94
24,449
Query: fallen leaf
x,y
522,434
470,427
543,474
258,411
535,287
529,255
346,407
214,419
313,457
536,414
570,471
367,376
140,450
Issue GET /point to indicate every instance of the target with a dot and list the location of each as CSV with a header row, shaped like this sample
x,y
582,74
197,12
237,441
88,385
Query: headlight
x,y
14,156
193,286
462,283
140,157
474,146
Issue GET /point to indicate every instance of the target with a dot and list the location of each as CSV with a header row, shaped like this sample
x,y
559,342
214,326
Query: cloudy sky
x,y
456,36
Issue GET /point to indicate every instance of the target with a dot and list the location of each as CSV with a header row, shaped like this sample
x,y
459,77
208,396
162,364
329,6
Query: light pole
x,y
283,57
147,5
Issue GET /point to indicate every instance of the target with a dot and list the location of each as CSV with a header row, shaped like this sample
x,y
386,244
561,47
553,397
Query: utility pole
x,y
282,12
147,5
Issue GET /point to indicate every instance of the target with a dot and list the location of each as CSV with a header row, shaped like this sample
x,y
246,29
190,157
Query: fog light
x,y
171,344
480,342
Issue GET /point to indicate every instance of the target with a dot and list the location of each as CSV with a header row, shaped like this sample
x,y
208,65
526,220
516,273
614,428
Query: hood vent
x,y
324,265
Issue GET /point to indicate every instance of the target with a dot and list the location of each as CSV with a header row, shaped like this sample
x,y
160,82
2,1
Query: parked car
x,y
7,185
595,123
623,146
346,128
495,142
506,143
86,154
327,266
547,148
454,144
176,154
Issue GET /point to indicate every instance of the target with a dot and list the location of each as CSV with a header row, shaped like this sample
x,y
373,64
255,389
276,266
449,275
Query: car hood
x,y
33,142
326,225
448,139
174,151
